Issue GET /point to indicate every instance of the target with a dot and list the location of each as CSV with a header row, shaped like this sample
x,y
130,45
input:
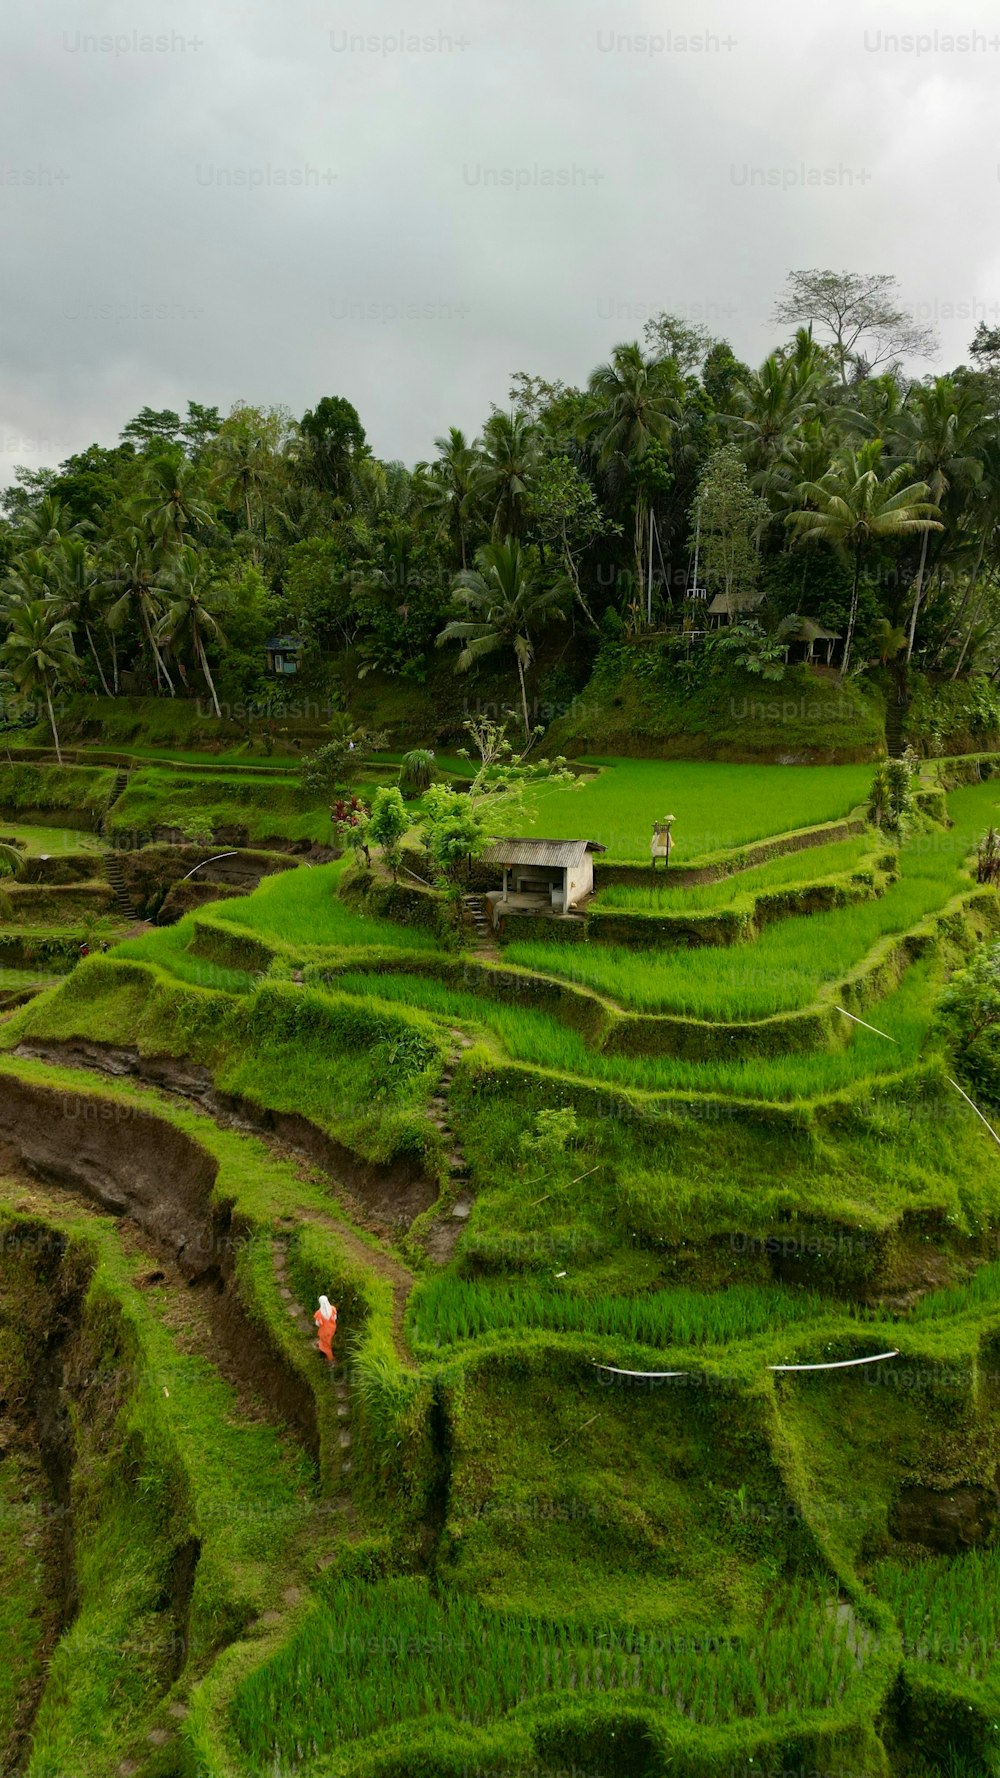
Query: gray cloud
x,y
276,201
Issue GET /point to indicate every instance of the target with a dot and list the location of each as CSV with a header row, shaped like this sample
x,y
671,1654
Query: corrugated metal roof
x,y
555,853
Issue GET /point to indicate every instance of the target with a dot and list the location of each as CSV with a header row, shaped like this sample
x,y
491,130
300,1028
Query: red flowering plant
x,y
350,826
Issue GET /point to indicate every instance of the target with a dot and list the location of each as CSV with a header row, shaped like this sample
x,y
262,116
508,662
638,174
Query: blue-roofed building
x,y
283,654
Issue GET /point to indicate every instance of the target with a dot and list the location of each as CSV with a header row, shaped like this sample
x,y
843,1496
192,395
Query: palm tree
x,y
888,640
49,523
503,603
508,461
447,484
853,507
635,402
171,502
80,582
133,579
191,617
942,431
377,490
38,652
246,473
983,518
772,406
805,457
35,574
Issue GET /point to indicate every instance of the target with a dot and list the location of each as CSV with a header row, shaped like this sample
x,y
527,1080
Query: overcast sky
x,y
275,200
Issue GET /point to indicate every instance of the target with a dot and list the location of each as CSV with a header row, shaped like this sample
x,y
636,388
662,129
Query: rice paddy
x,y
303,907
717,808
55,841
545,1041
391,1652
658,1562
447,1309
948,1610
169,948
658,896
792,960
978,1295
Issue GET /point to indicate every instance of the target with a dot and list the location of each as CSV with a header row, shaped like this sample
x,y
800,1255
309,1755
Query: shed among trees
x,y
560,872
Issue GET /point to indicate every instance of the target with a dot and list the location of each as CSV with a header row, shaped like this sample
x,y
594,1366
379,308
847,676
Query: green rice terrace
x,y
662,1433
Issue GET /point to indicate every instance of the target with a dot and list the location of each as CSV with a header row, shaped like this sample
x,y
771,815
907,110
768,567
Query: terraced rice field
x,y
791,961
658,896
717,809
350,1671
489,1540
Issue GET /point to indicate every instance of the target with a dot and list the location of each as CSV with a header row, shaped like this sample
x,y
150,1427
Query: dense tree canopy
x,y
840,489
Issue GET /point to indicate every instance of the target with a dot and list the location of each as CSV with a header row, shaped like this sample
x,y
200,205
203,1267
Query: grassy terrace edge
x,y
964,919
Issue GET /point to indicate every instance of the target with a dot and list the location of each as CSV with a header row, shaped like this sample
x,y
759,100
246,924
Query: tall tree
x,y
863,316
635,403
249,468
508,462
566,516
132,585
333,438
730,519
982,518
503,605
200,428
49,521
194,605
172,502
152,429
445,488
771,407
671,336
855,507
38,653
942,432
81,582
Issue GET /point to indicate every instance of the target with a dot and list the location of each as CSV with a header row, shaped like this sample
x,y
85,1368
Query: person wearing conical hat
x,y
326,1326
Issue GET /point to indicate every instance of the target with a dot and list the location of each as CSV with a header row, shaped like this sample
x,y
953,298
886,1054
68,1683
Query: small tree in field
x,y
455,825
350,824
988,857
337,764
452,829
416,772
387,824
890,800
729,518
503,775
970,1012
38,654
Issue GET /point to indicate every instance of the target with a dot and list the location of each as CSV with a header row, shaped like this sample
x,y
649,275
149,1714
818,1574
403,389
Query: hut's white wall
x,y
580,880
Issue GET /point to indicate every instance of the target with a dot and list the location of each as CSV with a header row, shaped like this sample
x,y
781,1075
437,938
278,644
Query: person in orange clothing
x,y
326,1326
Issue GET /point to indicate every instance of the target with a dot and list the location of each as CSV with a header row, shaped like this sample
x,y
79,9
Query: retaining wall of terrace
x,y
727,864
967,919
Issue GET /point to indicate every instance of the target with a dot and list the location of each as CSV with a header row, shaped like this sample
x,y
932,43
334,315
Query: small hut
x,y
811,640
725,608
554,875
283,654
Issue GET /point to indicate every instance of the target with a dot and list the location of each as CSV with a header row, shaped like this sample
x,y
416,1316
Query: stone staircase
x,y
118,789
115,874
476,913
443,1234
112,863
